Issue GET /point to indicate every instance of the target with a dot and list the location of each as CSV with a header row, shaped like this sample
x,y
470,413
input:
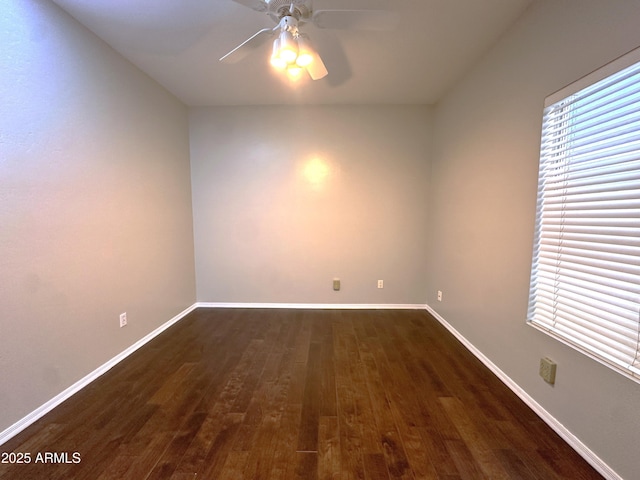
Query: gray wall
x,y
266,230
95,205
482,210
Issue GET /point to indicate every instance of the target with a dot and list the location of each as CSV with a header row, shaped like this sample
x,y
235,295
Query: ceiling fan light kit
x,y
291,50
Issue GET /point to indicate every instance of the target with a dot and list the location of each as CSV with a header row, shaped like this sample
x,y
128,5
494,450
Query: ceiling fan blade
x,y
316,69
334,57
246,47
257,5
378,20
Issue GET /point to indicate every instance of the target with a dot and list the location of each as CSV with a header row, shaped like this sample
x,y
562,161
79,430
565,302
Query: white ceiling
x,y
179,42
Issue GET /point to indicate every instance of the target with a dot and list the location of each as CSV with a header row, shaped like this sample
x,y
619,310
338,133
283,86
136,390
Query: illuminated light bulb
x,y
288,56
305,53
288,47
294,72
276,61
304,59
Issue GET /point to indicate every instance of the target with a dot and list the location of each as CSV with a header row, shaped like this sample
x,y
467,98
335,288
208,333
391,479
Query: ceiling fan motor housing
x,y
290,24
299,9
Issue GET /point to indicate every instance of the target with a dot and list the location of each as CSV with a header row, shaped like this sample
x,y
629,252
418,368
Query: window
x,y
585,276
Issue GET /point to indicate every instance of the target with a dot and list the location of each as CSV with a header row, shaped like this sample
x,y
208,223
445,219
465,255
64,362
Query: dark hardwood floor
x,y
288,394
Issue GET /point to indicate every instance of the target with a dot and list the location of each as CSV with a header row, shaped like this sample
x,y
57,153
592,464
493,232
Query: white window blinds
x,y
585,278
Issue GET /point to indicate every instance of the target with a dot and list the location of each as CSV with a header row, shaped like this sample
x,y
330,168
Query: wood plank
x,y
375,467
329,462
475,440
437,452
387,431
466,465
234,466
285,447
515,467
328,393
306,466
212,464
351,426
171,457
310,418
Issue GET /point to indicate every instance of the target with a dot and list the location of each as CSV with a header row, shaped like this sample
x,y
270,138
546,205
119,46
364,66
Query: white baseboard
x,y
575,443
39,412
310,306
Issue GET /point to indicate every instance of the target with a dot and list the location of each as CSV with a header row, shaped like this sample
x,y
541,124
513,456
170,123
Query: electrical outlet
x,y
336,284
380,283
439,296
548,370
123,319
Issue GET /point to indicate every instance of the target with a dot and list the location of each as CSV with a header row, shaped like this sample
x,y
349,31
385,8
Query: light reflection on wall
x,y
317,171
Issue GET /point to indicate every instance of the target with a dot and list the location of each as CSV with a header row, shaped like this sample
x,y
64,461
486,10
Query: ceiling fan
x,y
292,51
